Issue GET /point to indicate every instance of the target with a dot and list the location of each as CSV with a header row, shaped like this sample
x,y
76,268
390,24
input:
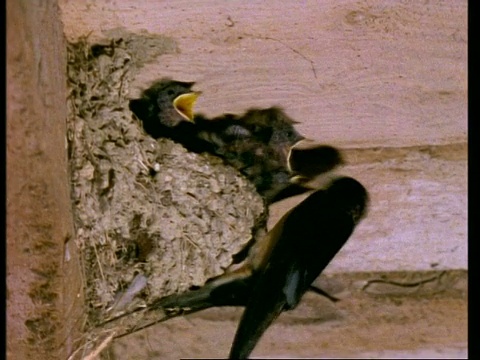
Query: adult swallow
x,y
234,287
262,144
281,267
306,239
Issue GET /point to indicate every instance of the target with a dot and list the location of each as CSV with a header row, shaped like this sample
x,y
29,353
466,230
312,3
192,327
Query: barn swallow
x,y
262,144
233,287
165,105
306,239
281,267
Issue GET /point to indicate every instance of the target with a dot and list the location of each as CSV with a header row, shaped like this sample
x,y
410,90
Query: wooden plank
x,y
367,73
44,301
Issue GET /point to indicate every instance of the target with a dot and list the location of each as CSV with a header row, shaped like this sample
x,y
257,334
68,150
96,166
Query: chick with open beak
x,y
165,105
262,144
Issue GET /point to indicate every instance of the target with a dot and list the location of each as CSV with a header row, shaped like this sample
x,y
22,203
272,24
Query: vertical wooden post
x,y
43,289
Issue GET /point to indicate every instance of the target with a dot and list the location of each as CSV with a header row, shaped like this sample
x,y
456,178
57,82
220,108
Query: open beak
x,y
184,104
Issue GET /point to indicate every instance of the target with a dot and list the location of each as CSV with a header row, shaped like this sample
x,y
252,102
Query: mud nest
x,y
151,218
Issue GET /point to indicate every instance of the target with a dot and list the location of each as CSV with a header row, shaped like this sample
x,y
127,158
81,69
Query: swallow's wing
x,y
261,310
229,289
277,286
311,235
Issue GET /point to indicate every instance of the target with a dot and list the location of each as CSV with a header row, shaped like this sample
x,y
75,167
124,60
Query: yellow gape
x,y
184,104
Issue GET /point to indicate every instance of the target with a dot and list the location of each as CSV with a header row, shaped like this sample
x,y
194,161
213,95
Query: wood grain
x,y
362,73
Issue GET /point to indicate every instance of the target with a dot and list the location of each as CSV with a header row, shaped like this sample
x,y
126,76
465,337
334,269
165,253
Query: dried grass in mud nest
x,y
151,218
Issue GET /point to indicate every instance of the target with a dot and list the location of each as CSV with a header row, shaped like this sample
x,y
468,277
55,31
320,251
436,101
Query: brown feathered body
x,y
257,143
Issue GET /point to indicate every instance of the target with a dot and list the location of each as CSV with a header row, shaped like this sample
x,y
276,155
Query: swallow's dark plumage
x,y
164,105
281,267
307,239
261,143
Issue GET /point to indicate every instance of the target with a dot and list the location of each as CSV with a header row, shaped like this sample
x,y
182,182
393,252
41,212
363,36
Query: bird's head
x,y
350,195
167,101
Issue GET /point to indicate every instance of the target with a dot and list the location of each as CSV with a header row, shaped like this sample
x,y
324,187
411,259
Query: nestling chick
x,y
262,144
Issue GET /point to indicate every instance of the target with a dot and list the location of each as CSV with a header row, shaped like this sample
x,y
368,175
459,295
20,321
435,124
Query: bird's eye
x,y
170,92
